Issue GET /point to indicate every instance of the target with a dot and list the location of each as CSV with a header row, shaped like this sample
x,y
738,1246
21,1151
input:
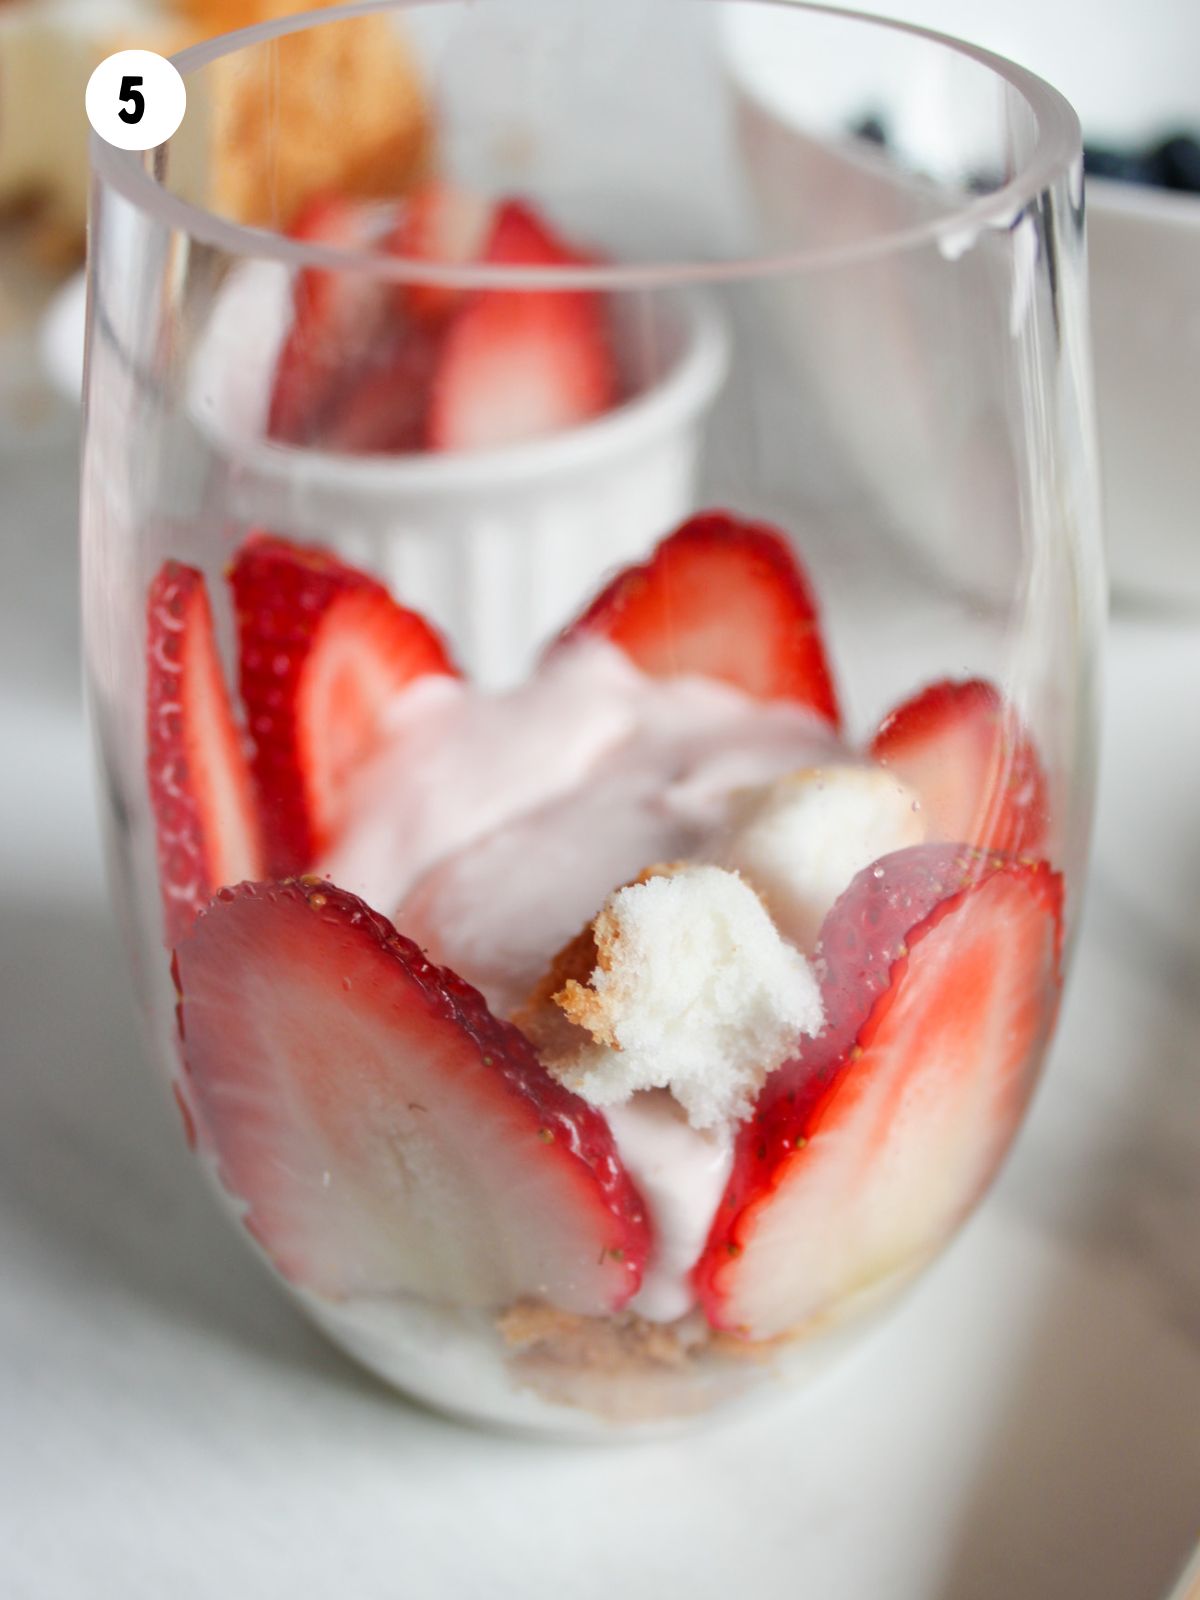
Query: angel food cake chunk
x,y
685,985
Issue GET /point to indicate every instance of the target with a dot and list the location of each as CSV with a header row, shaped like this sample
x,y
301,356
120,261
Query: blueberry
x,y
1174,163
1125,165
1179,158
871,128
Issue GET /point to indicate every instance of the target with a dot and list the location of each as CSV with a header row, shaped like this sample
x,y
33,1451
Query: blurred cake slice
x,y
338,108
277,127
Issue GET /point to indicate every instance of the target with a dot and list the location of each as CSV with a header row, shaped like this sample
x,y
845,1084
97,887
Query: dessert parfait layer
x,y
592,1049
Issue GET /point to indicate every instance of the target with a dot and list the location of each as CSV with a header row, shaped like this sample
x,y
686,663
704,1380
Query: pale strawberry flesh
x,y
721,598
963,748
439,223
521,364
201,795
323,653
382,1130
865,1155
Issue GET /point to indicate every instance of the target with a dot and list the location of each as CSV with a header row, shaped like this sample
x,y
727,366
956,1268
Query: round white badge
x,y
135,99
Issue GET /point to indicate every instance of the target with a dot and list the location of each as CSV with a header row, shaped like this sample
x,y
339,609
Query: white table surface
x,y
1028,1425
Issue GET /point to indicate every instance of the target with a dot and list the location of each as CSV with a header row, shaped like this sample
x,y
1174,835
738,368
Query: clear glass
x,y
430,323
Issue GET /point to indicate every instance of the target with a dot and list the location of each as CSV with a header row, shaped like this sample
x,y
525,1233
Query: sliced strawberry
x,y
519,364
337,318
385,1132
439,223
519,237
864,1155
859,946
199,783
962,747
721,598
324,650
384,409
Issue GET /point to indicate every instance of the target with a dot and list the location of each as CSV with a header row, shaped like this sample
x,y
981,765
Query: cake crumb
x,y
627,1369
593,1343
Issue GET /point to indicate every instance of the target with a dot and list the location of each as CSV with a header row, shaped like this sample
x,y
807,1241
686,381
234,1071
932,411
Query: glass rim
x,y
1057,146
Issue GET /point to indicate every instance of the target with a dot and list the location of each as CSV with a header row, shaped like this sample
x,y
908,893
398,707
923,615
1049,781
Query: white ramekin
x,y
498,547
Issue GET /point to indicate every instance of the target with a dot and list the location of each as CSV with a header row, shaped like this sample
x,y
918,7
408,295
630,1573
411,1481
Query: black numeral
x,y
131,92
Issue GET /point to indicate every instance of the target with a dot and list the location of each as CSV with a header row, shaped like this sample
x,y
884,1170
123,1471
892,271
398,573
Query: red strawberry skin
x,y
337,318
519,237
722,598
964,750
871,932
521,364
200,789
323,651
383,1130
865,1151
384,409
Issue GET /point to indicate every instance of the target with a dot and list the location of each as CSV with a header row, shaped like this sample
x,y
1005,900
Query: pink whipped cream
x,y
493,826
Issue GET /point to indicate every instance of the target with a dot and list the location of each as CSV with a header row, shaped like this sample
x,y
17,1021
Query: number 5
x,y
130,88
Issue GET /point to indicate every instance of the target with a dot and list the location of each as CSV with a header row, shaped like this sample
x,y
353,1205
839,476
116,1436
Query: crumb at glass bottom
x,y
532,1369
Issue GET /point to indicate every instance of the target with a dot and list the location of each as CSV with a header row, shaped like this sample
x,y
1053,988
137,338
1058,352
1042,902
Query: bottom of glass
x,y
540,1373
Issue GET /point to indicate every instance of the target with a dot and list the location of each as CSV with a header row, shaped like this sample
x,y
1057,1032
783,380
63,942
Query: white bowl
x,y
1129,70
1144,249
498,547
1132,77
